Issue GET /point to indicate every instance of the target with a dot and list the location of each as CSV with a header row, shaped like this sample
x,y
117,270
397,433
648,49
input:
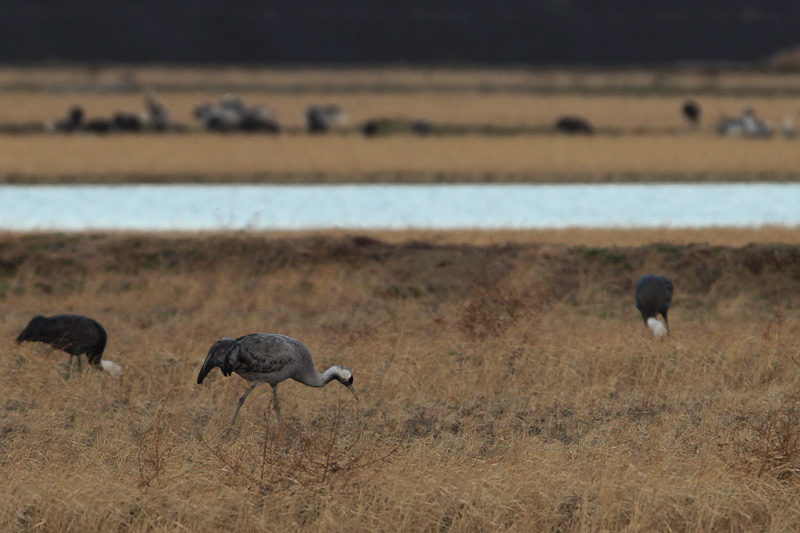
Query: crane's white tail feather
x,y
658,329
111,367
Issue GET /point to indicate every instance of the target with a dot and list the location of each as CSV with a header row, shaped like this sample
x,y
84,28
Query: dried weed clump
x,y
770,441
502,387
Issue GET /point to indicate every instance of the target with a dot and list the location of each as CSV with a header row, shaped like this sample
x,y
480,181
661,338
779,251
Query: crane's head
x,y
32,331
344,376
219,355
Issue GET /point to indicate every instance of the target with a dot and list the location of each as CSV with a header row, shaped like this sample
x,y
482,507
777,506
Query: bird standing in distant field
x,y
321,119
574,125
71,123
75,334
691,111
158,116
269,358
653,296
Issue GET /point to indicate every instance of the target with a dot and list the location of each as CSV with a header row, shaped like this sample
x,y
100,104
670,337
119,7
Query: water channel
x,y
490,206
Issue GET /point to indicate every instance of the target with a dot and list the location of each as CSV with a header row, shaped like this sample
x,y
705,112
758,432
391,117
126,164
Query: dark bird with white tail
x,y
74,334
654,296
269,358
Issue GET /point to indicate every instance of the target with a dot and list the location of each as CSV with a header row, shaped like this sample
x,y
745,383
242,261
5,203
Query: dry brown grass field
x,y
496,126
506,381
505,384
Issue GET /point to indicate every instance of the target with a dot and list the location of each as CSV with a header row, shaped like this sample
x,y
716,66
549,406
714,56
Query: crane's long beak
x,y
354,392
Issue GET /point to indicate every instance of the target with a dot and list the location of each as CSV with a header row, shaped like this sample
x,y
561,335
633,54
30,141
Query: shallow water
x,y
217,207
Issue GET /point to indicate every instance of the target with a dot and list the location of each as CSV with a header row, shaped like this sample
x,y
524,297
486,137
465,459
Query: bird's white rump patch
x,y
658,329
111,367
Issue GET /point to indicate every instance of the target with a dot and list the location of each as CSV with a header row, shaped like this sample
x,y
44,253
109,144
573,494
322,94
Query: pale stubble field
x,y
352,159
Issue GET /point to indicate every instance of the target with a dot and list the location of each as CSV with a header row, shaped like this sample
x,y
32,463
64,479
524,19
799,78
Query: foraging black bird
x,y
99,125
74,334
269,358
122,121
421,127
316,122
653,296
72,122
370,128
691,111
574,125
321,119
259,119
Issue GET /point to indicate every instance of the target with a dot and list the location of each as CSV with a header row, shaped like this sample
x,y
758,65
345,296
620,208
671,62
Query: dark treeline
x,y
532,32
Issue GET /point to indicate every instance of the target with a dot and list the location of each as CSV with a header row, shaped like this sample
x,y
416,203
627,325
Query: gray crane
x,y
653,296
269,358
747,124
74,334
157,112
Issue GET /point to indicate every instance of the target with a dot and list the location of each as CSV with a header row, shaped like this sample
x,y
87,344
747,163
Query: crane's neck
x,y
315,379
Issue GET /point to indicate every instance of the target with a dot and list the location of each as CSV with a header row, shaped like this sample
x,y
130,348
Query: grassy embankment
x,y
502,386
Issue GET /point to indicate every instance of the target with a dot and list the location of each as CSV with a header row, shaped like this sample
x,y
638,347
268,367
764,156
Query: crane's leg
x,y
69,365
80,363
666,323
275,402
241,402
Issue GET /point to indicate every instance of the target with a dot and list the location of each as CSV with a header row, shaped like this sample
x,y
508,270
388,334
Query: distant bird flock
x,y
231,114
155,118
271,358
